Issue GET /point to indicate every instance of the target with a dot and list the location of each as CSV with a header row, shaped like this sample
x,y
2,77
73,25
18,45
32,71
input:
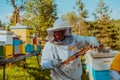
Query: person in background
x,y
115,67
60,46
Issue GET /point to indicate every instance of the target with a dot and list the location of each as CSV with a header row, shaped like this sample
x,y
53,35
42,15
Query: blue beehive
x,y
101,74
98,65
27,48
38,48
31,48
16,44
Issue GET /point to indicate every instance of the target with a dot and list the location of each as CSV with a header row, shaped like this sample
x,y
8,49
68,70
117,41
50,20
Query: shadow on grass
x,y
38,74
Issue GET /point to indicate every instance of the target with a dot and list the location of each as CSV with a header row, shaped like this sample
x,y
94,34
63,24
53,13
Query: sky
x,y
64,6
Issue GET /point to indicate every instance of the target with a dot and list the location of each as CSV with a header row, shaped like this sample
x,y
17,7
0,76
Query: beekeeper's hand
x,y
93,42
114,74
56,62
50,64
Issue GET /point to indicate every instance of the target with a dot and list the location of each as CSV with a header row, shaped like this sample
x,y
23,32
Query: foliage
x,y
77,21
18,7
81,17
2,25
103,28
115,34
106,30
39,15
71,19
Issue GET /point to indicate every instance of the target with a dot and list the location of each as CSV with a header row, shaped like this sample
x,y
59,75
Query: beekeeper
x,y
115,67
61,45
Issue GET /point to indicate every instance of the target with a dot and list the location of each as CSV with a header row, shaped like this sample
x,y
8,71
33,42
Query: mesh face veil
x,y
59,24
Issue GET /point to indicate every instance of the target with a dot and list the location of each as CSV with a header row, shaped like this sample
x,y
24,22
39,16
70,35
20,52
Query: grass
x,y
33,71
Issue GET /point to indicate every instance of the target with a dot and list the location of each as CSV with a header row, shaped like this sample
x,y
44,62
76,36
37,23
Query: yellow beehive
x,y
35,47
21,30
31,40
28,40
22,48
8,49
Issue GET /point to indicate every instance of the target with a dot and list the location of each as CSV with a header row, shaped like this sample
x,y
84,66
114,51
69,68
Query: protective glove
x,y
51,64
114,74
56,62
93,42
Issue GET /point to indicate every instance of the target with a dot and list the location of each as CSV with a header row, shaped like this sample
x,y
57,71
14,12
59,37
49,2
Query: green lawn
x,y
32,72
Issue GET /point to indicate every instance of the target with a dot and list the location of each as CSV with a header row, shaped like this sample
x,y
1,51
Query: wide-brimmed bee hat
x,y
59,24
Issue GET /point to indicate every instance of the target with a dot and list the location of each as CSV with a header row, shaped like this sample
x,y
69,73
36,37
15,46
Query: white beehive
x,y
98,65
6,36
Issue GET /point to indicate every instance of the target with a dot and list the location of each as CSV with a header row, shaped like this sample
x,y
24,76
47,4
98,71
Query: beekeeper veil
x,y
59,24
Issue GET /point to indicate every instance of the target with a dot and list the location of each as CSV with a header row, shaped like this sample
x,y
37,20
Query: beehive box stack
x,y
22,47
99,65
24,32
2,44
7,37
16,44
35,43
38,45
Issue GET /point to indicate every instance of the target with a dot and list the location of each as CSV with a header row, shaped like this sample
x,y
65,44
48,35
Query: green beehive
x,y
2,49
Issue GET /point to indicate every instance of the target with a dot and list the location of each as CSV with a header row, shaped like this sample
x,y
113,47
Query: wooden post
x,y
24,62
4,71
38,61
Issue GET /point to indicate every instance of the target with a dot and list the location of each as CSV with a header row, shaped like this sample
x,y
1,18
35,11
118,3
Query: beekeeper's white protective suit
x,y
57,51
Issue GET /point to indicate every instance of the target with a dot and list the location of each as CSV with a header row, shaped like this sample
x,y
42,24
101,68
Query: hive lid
x,y
103,55
19,26
16,36
5,32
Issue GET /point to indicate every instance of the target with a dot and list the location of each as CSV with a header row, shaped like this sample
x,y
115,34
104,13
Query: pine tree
x,y
77,21
101,30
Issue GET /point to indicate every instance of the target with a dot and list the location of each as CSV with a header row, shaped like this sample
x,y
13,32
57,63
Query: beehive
x,y
31,48
23,31
16,44
6,36
2,44
8,49
98,65
35,47
27,48
38,48
22,47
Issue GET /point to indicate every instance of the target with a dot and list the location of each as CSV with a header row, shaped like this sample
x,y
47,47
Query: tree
x,y
103,27
81,17
71,20
18,6
115,35
78,20
2,25
39,15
